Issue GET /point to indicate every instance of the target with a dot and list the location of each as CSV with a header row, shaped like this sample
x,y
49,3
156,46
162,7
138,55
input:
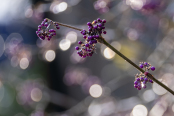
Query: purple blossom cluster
x,y
141,79
44,31
95,29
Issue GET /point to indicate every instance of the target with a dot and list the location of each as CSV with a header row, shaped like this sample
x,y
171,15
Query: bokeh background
x,y
48,78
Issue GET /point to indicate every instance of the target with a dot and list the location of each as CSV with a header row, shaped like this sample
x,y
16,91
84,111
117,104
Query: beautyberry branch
x,y
87,48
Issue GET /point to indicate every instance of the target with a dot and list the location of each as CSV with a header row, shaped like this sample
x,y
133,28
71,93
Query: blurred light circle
x,y
149,95
108,53
36,94
72,36
61,7
95,90
24,63
28,13
132,34
139,110
64,44
159,108
158,89
102,4
50,55
94,110
136,4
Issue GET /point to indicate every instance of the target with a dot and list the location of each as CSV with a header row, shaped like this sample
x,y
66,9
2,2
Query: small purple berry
x,y
151,81
145,63
141,65
104,32
152,68
146,79
37,32
42,23
42,37
100,25
79,42
83,33
139,84
84,36
135,86
93,36
78,52
90,42
50,36
95,27
51,30
45,20
104,21
84,56
89,23
39,29
97,36
135,82
46,24
99,20
144,82
80,55
87,45
142,79
94,41
57,27
139,88
89,37
90,29
146,73
77,48
39,26
138,79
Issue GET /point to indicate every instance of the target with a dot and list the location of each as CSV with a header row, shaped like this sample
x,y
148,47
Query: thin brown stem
x,y
102,40
137,67
69,26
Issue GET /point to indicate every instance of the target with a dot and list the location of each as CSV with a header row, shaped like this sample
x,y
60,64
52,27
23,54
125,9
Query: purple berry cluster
x,y
95,29
44,31
141,79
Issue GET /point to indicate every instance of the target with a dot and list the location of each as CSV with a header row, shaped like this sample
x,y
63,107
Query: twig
x,y
102,40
